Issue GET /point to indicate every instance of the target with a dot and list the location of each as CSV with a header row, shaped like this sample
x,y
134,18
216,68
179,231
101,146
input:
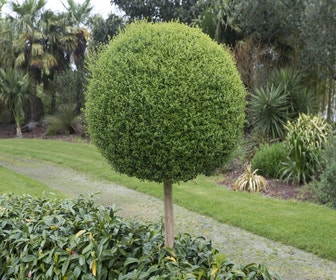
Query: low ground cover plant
x,y
73,239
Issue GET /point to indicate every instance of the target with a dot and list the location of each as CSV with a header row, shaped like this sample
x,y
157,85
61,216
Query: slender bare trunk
x,y
18,132
329,110
168,215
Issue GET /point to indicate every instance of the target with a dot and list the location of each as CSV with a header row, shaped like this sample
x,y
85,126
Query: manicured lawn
x,y
303,225
12,182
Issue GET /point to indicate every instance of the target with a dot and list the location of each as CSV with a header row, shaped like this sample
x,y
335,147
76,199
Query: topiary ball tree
x,y
165,103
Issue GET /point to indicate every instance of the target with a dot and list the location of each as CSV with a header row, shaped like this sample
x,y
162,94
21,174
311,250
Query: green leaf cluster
x,y
73,239
165,102
326,190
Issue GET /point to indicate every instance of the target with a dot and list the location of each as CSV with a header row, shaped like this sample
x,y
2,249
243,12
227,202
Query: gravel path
x,y
239,245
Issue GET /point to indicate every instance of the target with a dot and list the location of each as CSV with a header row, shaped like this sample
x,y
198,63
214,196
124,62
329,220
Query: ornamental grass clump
x,y
250,181
73,239
304,142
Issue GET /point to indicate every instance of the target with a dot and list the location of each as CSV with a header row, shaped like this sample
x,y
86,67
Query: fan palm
x,y
30,47
14,91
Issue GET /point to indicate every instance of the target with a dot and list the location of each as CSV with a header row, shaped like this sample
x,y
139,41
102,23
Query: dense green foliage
x,y
165,103
327,186
304,143
268,159
72,239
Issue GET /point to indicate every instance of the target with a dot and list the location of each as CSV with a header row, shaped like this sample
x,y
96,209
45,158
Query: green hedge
x,y
73,239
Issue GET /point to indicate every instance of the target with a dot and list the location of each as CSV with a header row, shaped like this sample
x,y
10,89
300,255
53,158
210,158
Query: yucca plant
x,y
281,100
302,99
304,142
65,120
269,111
250,181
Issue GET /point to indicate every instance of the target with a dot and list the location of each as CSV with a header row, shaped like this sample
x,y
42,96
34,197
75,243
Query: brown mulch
x,y
277,189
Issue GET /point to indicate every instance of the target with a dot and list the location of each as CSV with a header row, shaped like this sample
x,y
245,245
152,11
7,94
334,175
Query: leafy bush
x,y
268,159
250,181
326,188
65,120
304,143
73,239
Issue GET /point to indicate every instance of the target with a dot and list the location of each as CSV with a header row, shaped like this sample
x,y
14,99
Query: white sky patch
x,y
102,7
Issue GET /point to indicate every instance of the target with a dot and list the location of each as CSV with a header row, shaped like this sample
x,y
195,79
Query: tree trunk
x,y
33,104
329,110
168,215
18,131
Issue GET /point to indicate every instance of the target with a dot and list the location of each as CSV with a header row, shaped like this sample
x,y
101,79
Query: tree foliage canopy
x,y
165,103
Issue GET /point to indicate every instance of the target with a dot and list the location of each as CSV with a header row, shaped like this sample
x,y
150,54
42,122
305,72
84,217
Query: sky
x,y
102,7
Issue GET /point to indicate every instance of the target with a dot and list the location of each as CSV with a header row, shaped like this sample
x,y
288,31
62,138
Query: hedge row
x,y
73,239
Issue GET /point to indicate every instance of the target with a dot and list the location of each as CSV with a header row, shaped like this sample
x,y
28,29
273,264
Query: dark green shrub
x,y
326,188
73,239
268,159
304,143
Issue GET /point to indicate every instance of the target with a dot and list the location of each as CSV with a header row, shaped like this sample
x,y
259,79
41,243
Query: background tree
x,y
165,103
157,10
318,56
104,29
220,20
30,48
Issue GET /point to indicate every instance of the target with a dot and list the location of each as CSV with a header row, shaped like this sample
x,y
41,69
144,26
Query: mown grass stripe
x,y
303,225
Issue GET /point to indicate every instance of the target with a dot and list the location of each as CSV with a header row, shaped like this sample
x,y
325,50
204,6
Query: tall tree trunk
x,y
168,215
33,102
329,111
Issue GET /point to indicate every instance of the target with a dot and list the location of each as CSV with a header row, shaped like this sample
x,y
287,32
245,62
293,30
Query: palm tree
x,y
78,18
79,14
219,20
31,48
60,43
14,91
7,33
